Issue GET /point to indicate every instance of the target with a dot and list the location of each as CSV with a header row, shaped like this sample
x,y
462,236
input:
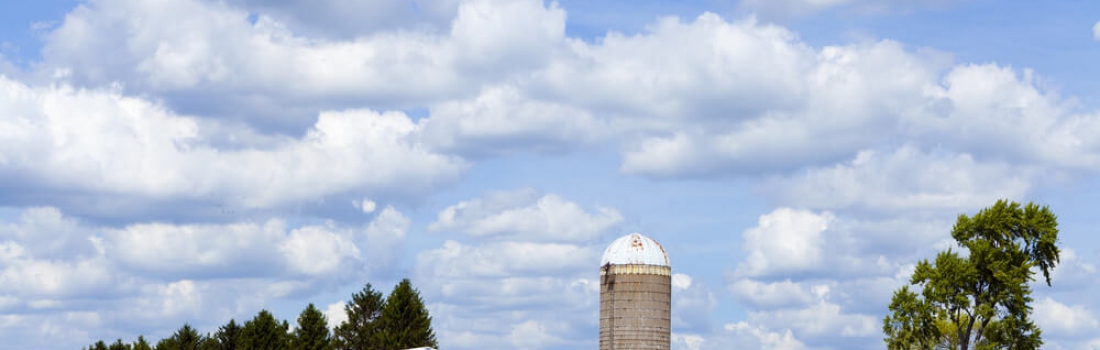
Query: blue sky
x,y
194,161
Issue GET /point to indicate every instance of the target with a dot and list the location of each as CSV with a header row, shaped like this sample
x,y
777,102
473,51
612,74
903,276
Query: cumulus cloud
x,y
339,19
527,275
798,8
823,319
264,70
1064,320
692,304
772,295
785,241
500,120
384,235
148,276
740,335
905,179
102,142
527,215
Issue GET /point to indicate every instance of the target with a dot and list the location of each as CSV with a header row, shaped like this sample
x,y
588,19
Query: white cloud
x,y
798,8
743,335
524,214
785,241
505,259
692,304
349,19
318,251
1096,31
385,236
25,275
1073,273
366,205
905,179
335,314
1064,320
531,335
214,50
819,320
101,142
771,295
500,120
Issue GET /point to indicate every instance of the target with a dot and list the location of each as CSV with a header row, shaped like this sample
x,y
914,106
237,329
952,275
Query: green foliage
x,y
119,345
405,320
141,344
228,336
362,329
263,332
980,301
186,338
312,332
99,345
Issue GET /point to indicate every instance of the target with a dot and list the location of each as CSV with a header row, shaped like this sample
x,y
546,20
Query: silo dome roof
x,y
635,249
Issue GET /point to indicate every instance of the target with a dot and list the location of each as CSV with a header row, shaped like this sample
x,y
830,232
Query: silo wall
x,y
635,307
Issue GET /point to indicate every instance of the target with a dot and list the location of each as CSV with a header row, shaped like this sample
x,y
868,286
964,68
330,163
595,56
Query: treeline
x,y
398,321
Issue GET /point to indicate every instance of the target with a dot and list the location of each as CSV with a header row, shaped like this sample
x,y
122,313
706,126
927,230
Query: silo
x,y
635,295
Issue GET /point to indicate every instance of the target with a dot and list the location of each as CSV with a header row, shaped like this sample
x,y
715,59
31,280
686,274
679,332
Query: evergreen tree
x,y
118,345
263,333
228,336
186,338
209,342
99,345
141,344
312,332
405,321
361,331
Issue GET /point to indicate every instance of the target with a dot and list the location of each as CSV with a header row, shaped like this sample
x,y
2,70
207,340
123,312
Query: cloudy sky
x,y
175,161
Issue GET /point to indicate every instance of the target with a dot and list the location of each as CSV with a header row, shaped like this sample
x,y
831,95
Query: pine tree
x,y
141,344
186,338
263,333
312,332
99,345
361,331
228,336
405,321
118,345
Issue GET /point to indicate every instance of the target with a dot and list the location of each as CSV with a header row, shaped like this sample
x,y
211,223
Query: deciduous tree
x,y
980,300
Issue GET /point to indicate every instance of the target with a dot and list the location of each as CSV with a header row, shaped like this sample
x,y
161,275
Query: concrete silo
x,y
635,295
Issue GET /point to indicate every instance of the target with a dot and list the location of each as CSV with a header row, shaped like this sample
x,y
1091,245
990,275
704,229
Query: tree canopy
x,y
263,332
362,330
980,299
312,332
405,320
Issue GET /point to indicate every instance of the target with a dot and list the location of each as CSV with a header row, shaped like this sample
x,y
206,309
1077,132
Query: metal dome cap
x,y
635,249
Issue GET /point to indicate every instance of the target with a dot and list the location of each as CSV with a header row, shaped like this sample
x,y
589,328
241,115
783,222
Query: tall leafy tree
x,y
228,336
263,332
405,321
980,300
99,345
312,332
362,329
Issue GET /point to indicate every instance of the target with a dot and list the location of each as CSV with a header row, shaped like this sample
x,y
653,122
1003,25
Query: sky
x,y
194,161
